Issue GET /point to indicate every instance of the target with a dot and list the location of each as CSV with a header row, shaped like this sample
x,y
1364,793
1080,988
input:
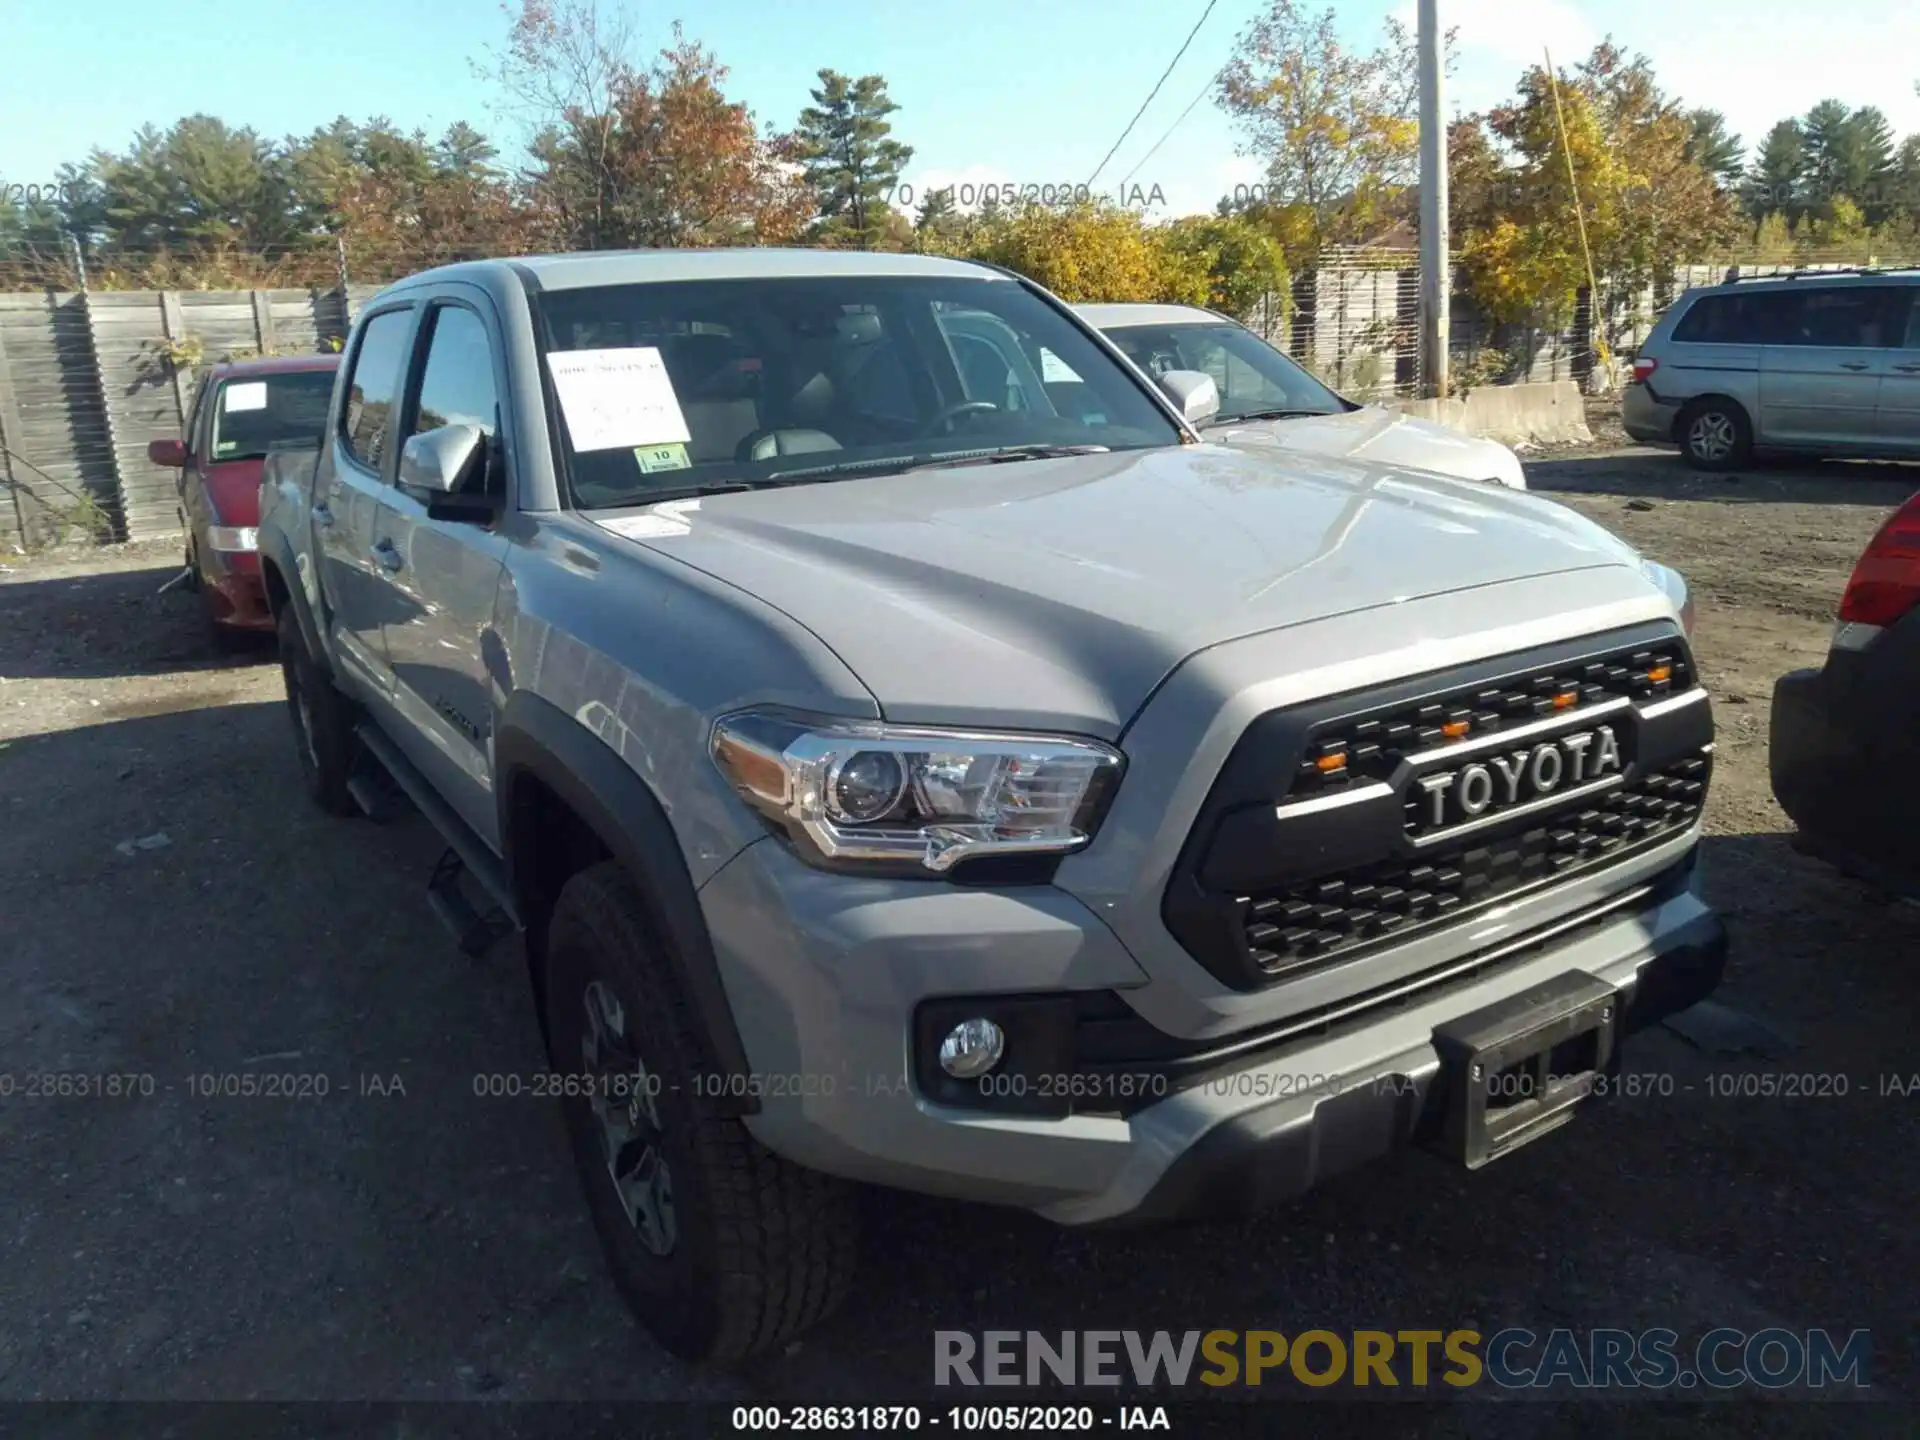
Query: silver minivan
x,y
1822,363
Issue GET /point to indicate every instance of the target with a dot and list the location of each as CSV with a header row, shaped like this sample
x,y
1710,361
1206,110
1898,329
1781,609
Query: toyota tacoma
x,y
913,756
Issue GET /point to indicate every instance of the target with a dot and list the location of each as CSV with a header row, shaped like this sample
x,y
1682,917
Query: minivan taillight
x,y
1886,582
1642,368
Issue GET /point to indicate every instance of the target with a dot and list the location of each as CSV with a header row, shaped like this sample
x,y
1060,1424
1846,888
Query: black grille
x,y
1368,747
1263,892
1310,924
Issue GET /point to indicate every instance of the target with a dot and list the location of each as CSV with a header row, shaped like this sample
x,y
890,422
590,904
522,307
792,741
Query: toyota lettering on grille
x,y
1531,777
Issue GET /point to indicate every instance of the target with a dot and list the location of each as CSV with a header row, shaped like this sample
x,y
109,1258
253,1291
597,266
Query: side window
x,y
1754,318
374,385
1852,317
457,384
985,372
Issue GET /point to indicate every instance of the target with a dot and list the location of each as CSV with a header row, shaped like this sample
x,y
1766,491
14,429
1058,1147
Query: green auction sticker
x,y
661,457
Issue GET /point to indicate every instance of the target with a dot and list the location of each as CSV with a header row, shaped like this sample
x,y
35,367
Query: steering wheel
x,y
943,422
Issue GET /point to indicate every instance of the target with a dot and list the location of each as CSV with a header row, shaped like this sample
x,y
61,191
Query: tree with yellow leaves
x,y
1647,204
1336,129
1084,253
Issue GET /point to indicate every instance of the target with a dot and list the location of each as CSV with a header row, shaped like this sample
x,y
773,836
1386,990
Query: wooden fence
x,y
85,383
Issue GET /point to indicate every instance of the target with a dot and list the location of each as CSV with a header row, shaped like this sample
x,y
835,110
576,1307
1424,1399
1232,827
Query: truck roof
x,y
585,269
1107,317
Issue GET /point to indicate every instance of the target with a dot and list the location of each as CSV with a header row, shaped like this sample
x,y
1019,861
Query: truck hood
x,y
1058,593
1385,437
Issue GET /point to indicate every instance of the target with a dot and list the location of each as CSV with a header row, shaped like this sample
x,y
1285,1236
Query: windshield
x,y
252,416
1253,376
674,387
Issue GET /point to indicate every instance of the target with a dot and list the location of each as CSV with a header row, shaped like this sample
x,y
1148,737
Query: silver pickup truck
x,y
913,756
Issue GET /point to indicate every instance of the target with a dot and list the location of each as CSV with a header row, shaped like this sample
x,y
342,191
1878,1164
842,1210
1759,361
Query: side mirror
x,y
1194,392
170,453
437,461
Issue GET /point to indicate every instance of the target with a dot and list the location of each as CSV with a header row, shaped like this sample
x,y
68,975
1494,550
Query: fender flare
x,y
277,550
534,737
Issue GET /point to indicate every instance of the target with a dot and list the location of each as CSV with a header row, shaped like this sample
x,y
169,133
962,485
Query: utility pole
x,y
1435,252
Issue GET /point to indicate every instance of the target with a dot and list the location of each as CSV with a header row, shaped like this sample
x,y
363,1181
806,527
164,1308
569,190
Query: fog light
x,y
972,1048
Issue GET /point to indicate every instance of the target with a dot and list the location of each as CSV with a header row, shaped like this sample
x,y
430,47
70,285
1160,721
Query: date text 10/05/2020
x,y
968,194
51,192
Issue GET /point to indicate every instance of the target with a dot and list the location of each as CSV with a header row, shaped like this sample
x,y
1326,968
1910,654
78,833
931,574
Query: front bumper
x,y
1844,757
825,974
236,594
1646,417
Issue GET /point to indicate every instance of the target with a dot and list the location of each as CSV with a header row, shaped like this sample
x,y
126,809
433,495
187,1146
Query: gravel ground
x,y
169,909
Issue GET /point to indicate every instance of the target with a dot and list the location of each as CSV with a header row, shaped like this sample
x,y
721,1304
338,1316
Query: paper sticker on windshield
x,y
1055,371
248,395
617,399
661,457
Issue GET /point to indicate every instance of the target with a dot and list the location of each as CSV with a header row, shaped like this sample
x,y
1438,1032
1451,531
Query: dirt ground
x,y
169,909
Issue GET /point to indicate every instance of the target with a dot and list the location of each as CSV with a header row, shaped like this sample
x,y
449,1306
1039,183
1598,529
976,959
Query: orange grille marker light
x,y
1330,762
1659,673
1454,729
1567,700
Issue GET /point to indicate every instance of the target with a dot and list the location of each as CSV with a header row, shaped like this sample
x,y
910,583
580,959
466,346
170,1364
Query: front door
x,y
348,496
1820,376
444,572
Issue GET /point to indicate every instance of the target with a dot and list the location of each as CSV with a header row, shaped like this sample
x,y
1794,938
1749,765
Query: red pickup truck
x,y
245,409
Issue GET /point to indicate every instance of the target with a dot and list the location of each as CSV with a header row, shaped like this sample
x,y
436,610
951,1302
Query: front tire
x,y
722,1249
1715,435
322,721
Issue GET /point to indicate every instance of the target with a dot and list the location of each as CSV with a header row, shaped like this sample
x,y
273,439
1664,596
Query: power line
x,y
1205,90
1155,91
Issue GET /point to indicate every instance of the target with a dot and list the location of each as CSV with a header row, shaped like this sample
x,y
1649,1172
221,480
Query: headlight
x,y
231,538
862,793
1675,584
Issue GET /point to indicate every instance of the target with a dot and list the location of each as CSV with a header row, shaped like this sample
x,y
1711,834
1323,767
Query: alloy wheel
x,y
1711,436
624,1098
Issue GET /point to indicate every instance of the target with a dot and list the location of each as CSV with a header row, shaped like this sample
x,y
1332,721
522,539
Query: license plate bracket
x,y
1519,1068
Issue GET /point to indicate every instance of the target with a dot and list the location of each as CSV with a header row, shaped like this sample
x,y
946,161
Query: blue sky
x,y
1022,91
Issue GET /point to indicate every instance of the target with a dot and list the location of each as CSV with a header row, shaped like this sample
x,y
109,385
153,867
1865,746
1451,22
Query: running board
x,y
467,853
374,789
475,931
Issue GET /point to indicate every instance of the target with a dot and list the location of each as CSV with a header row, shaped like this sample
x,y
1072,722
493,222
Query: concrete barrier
x,y
1549,413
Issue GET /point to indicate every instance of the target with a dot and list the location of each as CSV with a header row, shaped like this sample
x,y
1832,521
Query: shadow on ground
x,y
114,622
1652,475
403,1235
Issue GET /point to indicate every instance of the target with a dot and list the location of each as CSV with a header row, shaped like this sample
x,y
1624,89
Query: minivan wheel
x,y
722,1249
1715,435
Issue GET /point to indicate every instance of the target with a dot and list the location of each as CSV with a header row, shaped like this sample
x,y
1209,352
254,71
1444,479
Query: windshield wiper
x,y
709,487
1012,453
894,463
899,464
1266,415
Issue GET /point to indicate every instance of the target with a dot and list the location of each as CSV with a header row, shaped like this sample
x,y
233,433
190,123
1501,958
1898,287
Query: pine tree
x,y
852,164
1777,181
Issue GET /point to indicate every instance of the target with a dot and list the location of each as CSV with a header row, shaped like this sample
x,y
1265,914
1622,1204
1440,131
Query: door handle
x,y
1907,369
322,516
1853,364
386,557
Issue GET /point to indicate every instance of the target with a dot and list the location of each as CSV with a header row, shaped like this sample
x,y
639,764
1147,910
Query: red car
x,y
245,409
